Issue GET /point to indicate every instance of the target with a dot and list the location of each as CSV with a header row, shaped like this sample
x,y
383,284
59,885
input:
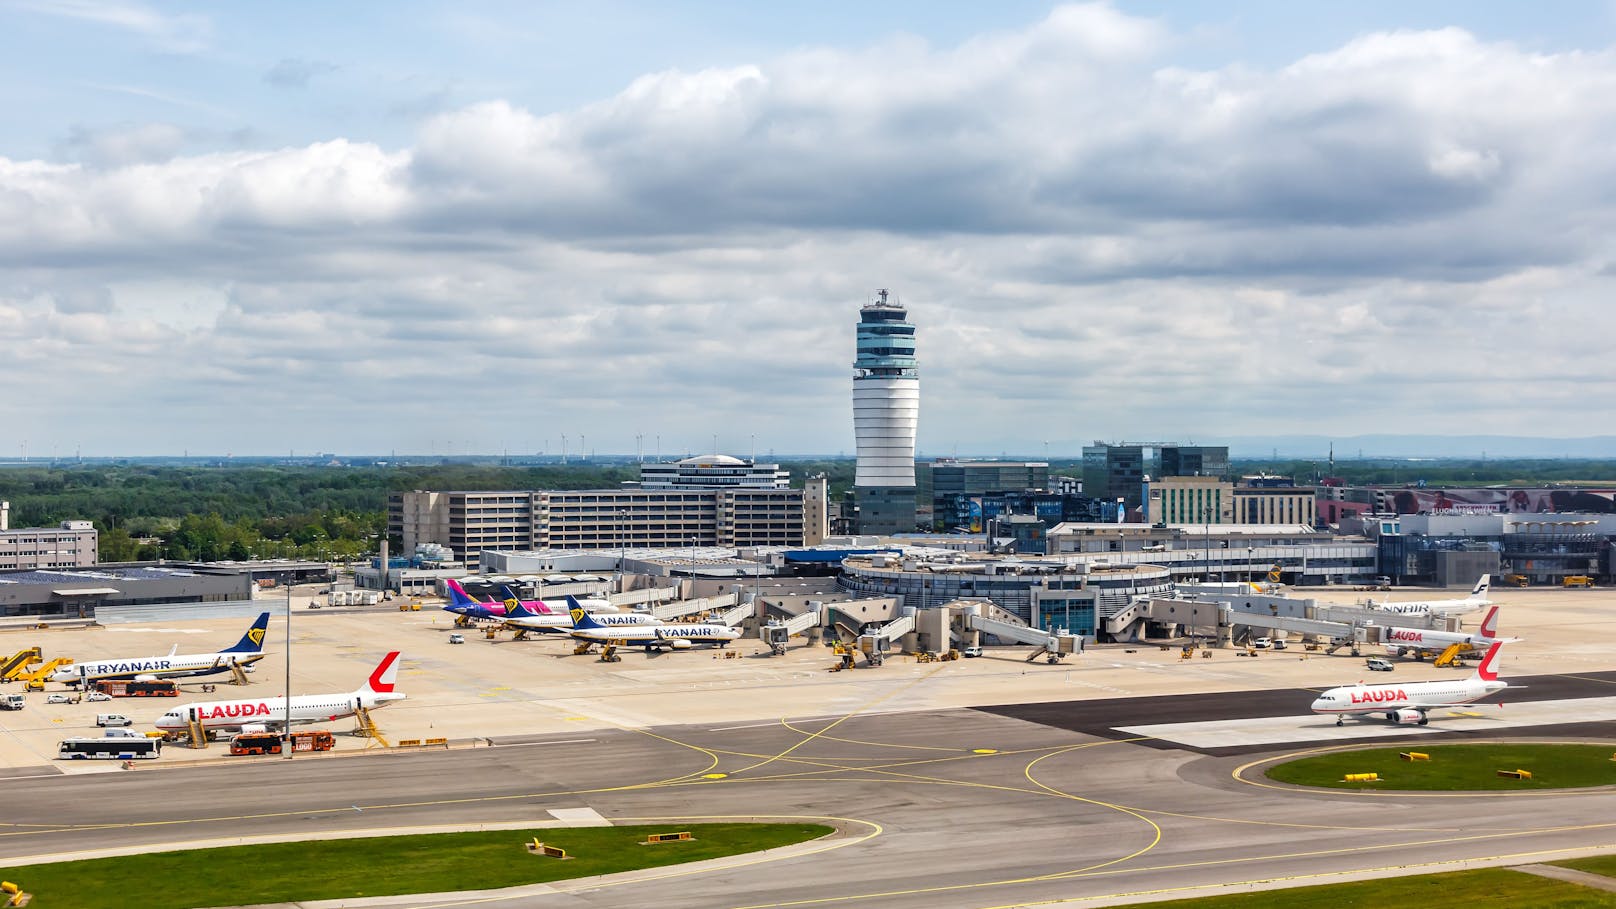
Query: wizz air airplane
x,y
667,636
1409,702
263,714
463,603
1476,600
518,616
1417,642
248,650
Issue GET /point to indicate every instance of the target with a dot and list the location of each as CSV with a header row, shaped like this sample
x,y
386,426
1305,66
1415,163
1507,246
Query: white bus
x,y
110,749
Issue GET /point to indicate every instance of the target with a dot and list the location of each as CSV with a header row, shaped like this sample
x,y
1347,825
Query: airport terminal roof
x,y
98,576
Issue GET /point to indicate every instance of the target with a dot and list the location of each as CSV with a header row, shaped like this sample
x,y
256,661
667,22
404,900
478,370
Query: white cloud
x,y
1094,240
184,33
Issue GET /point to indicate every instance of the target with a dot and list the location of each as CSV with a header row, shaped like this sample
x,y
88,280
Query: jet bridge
x,y
1052,647
777,633
679,608
874,644
736,615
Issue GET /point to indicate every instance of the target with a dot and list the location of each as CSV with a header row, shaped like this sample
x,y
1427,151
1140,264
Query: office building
x,y
71,544
713,471
886,412
1193,461
1114,472
946,485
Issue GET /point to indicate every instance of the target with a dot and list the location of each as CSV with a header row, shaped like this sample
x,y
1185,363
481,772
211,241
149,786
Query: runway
x,y
959,807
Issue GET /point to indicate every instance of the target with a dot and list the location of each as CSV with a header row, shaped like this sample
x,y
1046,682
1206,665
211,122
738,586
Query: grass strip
x,y
380,866
1487,888
1456,767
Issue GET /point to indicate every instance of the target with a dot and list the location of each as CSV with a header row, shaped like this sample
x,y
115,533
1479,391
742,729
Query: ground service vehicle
x,y
1517,580
112,719
115,749
60,697
12,702
1578,580
457,639
272,742
1379,664
972,651
138,688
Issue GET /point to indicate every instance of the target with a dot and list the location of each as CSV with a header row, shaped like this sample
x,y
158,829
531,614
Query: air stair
x,y
34,680
1450,656
17,664
196,736
366,726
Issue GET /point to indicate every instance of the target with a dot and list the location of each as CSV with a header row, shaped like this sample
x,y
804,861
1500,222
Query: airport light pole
x,y
286,734
1206,542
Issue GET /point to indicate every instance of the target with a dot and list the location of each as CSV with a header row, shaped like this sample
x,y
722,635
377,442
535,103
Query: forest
x,y
335,513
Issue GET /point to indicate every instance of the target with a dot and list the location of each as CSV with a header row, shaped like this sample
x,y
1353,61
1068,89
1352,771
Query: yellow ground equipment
x,y
13,894
1578,580
844,654
18,664
34,679
608,653
1517,580
1450,656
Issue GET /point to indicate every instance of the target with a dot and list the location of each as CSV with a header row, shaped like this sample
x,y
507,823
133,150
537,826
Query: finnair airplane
x,y
672,637
263,714
1409,702
1476,600
1417,642
248,650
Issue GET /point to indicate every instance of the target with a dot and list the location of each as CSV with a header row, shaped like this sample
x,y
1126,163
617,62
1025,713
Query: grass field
x,y
1597,864
333,869
1489,888
1457,767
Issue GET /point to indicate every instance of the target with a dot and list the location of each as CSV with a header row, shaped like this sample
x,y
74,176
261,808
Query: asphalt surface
x,y
969,808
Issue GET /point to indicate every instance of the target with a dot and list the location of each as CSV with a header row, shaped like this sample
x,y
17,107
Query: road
x,y
963,807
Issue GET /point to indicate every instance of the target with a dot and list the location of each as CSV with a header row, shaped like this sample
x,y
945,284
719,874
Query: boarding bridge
x,y
679,608
652,595
1052,647
776,634
737,615
874,644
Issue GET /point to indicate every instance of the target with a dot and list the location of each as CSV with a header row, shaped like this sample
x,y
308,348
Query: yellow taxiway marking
x,y
984,751
714,776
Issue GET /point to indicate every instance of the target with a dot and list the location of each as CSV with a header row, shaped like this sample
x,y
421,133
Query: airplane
x,y
1410,701
1417,642
248,650
519,617
462,603
263,714
595,606
1476,600
674,637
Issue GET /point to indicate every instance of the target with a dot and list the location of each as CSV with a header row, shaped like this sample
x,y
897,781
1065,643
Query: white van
x,y
121,734
112,719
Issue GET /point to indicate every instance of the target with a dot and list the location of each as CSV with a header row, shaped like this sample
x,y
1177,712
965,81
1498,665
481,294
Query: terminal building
x,y
70,544
77,593
744,504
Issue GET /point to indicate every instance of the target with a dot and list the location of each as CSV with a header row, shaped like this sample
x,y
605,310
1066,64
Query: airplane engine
x,y
1407,716
678,643
1394,651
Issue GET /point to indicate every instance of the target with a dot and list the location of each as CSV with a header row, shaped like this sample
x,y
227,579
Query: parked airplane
x,y
1417,642
1408,702
519,617
248,650
594,605
674,637
1476,600
271,713
462,603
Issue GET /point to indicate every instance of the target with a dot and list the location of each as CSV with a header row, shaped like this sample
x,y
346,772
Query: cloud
x,y
1094,239
181,34
295,72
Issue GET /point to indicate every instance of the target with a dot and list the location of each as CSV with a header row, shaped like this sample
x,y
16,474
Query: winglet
x,y
253,640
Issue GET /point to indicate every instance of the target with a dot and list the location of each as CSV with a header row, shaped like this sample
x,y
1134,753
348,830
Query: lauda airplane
x,y
248,650
673,637
1409,702
271,713
1417,642
1476,600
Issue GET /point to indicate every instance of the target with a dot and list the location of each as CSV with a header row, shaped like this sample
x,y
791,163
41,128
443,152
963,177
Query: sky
x,y
447,228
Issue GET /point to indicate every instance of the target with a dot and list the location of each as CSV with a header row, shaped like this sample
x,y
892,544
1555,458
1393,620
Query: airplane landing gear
x,y
1340,721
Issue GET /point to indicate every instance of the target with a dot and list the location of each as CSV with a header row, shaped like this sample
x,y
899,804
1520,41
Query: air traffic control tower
x,y
886,409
